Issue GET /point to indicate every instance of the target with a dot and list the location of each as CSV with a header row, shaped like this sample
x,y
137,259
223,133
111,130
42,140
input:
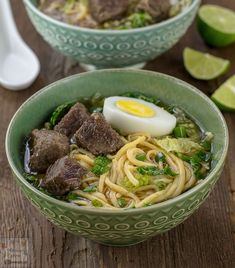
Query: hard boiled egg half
x,y
130,115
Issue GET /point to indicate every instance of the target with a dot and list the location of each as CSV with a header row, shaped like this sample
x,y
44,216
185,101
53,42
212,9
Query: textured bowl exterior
x,y
120,230
128,227
107,48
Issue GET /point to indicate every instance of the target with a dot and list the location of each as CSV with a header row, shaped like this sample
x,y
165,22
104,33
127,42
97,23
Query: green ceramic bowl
x,y
111,48
105,226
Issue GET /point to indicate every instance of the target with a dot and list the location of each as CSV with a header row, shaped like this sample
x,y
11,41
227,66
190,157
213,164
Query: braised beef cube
x,y
63,176
104,10
97,136
73,120
158,9
47,147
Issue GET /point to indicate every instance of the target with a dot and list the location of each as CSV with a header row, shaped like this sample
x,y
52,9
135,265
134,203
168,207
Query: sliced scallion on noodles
x,y
96,203
122,202
141,157
101,165
160,157
90,189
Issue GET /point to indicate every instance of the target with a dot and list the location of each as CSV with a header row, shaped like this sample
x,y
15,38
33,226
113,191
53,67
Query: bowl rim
x,y
101,211
110,31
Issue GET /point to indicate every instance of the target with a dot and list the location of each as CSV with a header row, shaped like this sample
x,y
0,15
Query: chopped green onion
x,y
101,165
196,159
154,171
169,172
204,156
161,185
73,196
151,171
96,203
143,180
90,189
195,162
184,157
140,19
141,157
160,157
58,113
122,202
199,175
31,178
206,145
34,180
180,132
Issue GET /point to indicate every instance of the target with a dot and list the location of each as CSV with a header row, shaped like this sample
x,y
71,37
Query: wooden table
x,y
205,240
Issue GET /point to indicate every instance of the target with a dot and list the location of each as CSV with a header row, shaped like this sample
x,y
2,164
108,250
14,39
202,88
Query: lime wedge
x,y
204,66
224,96
216,25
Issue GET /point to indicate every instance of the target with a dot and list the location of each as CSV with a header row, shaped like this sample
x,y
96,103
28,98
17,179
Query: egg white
x,y
161,124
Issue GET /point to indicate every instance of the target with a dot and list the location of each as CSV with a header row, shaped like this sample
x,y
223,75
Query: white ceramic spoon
x,y
19,66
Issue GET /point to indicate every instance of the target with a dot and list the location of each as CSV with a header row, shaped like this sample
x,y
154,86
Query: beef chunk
x,y
47,147
73,120
158,9
63,176
97,136
104,10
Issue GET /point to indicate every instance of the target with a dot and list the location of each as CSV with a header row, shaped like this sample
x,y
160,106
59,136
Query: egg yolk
x,y
135,108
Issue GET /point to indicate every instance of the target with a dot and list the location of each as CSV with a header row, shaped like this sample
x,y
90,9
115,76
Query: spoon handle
x,y
19,66
8,28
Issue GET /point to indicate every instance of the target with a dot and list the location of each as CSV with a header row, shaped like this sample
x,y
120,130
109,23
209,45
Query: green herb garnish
x,y
149,170
160,157
204,156
169,172
180,132
34,180
141,157
140,19
58,113
199,175
143,181
206,142
90,189
122,202
197,158
73,196
184,157
94,103
101,165
196,162
96,203
206,145
161,185
154,171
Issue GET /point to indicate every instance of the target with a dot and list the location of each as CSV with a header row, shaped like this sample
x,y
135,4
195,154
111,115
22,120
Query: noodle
x,y
123,181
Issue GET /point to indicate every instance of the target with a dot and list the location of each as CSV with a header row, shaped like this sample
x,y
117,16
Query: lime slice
x,y
216,25
204,66
224,96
